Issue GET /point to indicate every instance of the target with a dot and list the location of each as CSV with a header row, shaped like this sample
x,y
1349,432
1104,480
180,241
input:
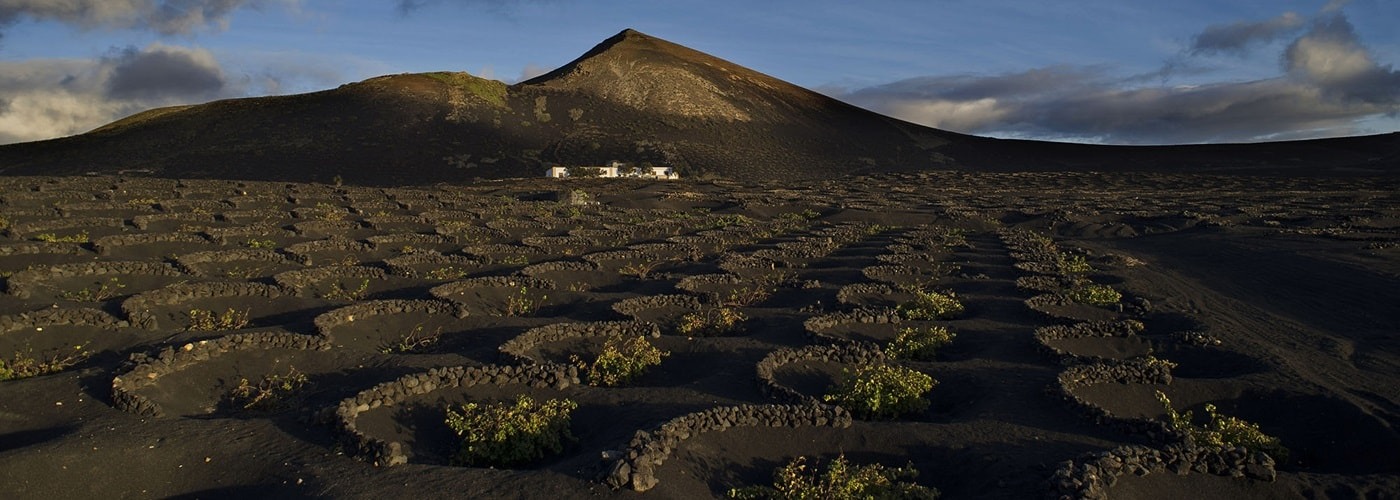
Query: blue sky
x,y
1111,71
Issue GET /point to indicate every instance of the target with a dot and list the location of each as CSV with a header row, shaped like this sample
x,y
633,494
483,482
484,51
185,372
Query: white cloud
x,y
1330,85
949,114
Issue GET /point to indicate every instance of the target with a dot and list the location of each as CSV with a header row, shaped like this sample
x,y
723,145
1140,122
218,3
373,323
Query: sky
x,y
1098,71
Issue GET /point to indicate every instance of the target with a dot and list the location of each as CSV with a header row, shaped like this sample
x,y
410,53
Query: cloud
x,y
530,71
502,7
48,98
1329,84
1235,38
161,71
1332,57
167,17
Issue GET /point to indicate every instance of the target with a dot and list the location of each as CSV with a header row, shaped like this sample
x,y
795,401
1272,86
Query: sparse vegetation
x,y
269,393
711,322
875,229
746,296
328,212
523,303
339,291
621,361
24,364
244,272
929,305
202,320
447,273
513,260
510,434
881,391
416,340
840,480
640,270
919,343
98,292
728,220
1223,430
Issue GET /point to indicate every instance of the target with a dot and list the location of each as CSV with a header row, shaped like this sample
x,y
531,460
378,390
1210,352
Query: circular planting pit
x,y
1211,362
659,309
241,382
1097,348
394,326
92,281
1059,306
244,263
149,245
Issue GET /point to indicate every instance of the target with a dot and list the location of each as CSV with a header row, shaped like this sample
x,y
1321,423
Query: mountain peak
x,y
654,75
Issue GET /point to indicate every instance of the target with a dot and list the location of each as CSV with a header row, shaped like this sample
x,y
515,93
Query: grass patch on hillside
x,y
492,91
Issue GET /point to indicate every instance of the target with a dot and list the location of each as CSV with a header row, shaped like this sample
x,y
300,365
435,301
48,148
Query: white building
x,y
618,169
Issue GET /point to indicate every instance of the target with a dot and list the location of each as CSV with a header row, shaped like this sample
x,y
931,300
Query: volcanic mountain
x,y
634,98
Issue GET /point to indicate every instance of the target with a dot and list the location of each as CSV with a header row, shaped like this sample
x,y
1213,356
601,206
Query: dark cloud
x,y
1328,85
46,98
1235,38
167,17
163,72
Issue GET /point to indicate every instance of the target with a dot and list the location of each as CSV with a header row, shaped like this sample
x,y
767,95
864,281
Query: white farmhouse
x,y
618,169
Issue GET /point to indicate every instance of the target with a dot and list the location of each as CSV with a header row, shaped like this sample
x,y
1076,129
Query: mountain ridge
x,y
633,97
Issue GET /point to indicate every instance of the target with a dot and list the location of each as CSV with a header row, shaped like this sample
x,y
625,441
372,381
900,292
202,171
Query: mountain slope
x,y
633,98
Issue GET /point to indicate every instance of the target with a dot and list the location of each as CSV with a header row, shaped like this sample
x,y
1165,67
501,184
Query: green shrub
x,y
511,434
24,364
260,244
270,393
919,343
202,320
841,480
81,237
1224,431
621,361
713,322
882,391
1070,263
930,305
1095,295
